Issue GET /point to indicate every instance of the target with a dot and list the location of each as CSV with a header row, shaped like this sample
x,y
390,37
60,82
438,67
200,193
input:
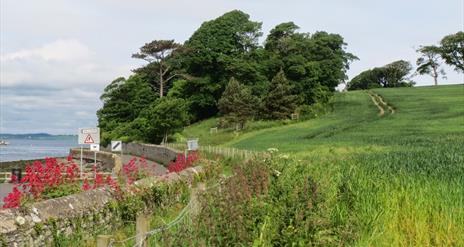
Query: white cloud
x,y
59,64
60,50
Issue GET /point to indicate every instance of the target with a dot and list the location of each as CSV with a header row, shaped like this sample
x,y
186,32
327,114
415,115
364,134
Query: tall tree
x,y
123,100
310,62
280,102
156,54
164,117
218,50
429,62
237,104
452,50
396,74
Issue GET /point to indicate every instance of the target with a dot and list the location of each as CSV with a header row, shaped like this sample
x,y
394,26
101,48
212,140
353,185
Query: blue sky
x,y
56,56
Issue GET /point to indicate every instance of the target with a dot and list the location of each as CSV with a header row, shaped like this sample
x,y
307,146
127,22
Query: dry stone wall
x,y
88,212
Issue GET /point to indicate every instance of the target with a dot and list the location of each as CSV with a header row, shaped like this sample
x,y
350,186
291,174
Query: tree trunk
x,y
161,80
435,75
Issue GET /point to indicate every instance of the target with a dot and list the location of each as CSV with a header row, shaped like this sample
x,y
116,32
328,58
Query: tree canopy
x,y
452,50
288,69
395,74
237,104
280,102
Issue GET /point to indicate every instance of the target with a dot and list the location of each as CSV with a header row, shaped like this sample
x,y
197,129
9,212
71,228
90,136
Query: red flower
x,y
13,199
86,186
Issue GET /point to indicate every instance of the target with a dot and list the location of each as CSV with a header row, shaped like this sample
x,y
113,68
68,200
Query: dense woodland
x,y
223,70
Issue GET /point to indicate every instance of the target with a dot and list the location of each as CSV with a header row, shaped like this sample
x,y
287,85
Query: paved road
x,y
5,188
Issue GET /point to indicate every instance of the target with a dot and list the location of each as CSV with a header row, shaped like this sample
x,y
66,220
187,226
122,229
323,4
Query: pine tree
x,y
280,102
237,104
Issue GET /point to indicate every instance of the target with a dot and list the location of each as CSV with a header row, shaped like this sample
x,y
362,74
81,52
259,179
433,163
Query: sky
x,y
57,56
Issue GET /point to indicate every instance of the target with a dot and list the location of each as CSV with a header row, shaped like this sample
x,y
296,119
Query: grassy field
x,y
392,180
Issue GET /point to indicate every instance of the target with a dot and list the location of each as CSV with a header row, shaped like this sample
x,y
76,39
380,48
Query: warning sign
x,y
89,136
89,139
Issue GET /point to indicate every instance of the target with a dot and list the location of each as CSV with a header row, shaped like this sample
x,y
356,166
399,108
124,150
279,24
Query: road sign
x,y
192,145
95,147
116,146
89,136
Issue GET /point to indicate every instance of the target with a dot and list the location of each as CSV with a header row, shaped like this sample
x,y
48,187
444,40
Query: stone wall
x,y
107,159
160,154
90,211
8,165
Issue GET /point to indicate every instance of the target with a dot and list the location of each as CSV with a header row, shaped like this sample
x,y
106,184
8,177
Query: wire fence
x,y
141,237
223,151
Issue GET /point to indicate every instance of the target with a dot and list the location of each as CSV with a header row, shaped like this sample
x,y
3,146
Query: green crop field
x,y
391,180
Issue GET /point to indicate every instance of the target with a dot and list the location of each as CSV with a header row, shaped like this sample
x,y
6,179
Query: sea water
x,y
28,149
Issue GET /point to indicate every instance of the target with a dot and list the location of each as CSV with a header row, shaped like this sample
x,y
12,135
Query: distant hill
x,y
35,136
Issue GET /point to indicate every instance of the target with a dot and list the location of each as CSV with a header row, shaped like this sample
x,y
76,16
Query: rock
x,y
20,220
35,218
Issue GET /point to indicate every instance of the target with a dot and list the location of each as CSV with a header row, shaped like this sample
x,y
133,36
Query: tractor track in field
x,y
381,104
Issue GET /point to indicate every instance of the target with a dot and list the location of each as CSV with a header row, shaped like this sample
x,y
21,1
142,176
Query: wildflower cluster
x,y
181,162
52,179
136,169
41,178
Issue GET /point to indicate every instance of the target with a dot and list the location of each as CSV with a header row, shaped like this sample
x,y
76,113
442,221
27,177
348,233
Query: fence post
x,y
142,226
103,240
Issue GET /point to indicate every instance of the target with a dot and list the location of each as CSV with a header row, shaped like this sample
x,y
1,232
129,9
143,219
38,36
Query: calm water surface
x,y
27,149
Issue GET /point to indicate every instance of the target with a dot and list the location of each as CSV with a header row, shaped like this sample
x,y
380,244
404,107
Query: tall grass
x,y
396,180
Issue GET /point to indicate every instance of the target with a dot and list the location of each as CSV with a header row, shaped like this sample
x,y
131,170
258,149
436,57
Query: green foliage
x,y
391,75
452,50
280,102
237,104
214,53
123,100
311,62
165,116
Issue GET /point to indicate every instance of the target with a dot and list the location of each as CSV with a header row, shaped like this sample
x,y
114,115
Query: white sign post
x,y
89,136
95,148
192,145
116,146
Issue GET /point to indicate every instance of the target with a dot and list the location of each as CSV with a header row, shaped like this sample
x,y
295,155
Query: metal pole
x,y
81,160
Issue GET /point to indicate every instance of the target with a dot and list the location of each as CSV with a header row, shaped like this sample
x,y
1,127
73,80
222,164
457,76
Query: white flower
x,y
272,150
284,156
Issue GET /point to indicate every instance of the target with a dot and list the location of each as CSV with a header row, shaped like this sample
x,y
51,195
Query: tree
x,y
280,103
452,50
394,74
218,50
165,116
310,62
237,104
156,54
429,62
123,100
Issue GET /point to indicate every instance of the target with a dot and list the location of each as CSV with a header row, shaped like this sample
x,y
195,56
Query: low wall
x,y
90,212
8,165
107,159
160,154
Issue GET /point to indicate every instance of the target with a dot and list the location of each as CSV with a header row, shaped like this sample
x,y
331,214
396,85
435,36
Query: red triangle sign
x,y
89,139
